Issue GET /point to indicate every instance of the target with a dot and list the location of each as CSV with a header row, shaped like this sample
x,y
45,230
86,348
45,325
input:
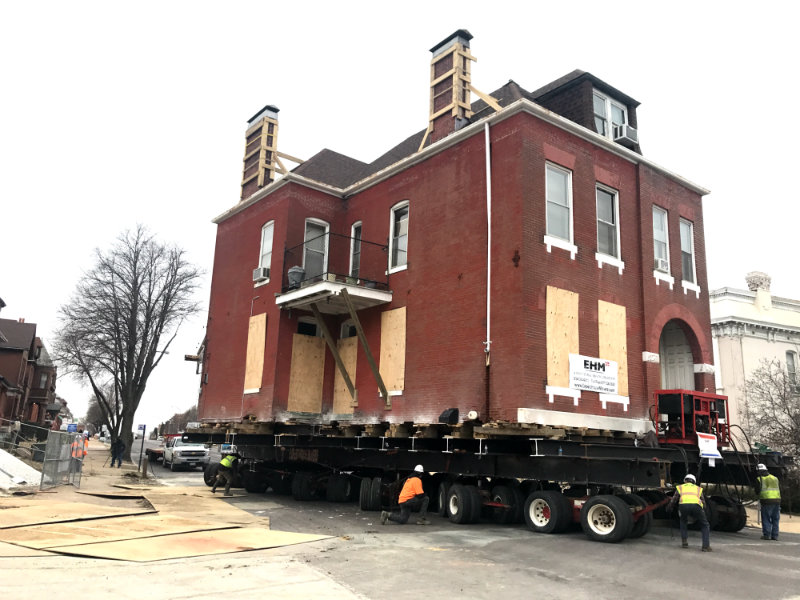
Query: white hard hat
x,y
690,477
419,469
761,467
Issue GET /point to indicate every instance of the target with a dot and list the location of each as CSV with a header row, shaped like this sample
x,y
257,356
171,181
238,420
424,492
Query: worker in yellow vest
x,y
769,494
225,473
689,498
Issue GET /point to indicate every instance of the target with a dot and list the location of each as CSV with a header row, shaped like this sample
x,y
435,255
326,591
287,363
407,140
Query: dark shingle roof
x,y
332,168
576,77
18,336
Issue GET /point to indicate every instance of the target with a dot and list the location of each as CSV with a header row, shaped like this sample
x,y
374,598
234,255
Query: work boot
x,y
384,517
764,537
684,543
214,490
423,521
707,549
227,494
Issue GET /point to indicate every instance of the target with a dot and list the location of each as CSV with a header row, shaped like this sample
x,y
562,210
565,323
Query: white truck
x,y
178,453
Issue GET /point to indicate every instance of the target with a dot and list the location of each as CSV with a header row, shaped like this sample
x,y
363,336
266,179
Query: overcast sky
x,y
117,113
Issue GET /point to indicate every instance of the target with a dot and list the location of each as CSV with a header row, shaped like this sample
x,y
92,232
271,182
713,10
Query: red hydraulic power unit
x,y
681,414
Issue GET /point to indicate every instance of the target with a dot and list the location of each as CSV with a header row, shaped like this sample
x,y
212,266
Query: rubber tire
x,y
654,497
281,484
604,506
338,488
172,466
210,474
476,502
503,494
645,521
302,489
363,494
542,502
518,511
459,504
254,483
376,493
441,498
164,463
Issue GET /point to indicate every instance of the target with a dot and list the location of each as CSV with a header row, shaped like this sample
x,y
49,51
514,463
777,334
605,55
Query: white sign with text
x,y
593,374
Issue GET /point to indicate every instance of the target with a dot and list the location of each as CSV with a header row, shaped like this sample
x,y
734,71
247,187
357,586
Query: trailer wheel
x,y
338,489
503,494
476,501
547,511
210,474
301,486
642,525
364,494
254,483
606,518
518,510
280,484
441,498
459,504
375,493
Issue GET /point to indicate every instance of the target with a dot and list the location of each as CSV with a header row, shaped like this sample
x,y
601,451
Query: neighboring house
x,y
27,375
750,326
492,263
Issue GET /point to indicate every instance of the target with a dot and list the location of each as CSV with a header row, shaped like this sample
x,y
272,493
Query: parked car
x,y
178,453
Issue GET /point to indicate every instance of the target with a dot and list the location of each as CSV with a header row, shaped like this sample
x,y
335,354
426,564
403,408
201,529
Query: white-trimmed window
x,y
265,258
315,248
398,237
559,203
347,329
355,249
791,368
608,114
607,222
660,240
687,252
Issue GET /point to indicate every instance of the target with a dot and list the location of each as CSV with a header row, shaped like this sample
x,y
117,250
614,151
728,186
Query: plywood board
x,y
562,334
393,348
256,339
307,373
12,551
191,544
60,512
342,401
613,339
103,530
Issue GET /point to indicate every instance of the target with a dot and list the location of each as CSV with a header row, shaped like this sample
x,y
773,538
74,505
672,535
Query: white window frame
x,y
601,257
608,103
353,227
309,321
344,329
553,240
327,238
686,284
395,208
659,275
269,226
791,373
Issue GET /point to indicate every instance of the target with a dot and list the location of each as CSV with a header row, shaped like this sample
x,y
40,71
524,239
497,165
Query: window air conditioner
x,y
626,135
661,264
261,273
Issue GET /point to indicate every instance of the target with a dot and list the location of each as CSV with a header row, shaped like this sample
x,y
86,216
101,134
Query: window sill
x,y
606,398
551,241
397,269
252,391
665,277
605,259
688,285
260,283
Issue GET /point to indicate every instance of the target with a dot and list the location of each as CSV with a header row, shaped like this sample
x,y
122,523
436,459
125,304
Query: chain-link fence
x,y
63,459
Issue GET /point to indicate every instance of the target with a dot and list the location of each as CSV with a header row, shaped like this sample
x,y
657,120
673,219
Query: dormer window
x,y
608,114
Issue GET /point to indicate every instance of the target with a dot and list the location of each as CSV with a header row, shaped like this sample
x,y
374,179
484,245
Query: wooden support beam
x,y
363,339
299,161
334,350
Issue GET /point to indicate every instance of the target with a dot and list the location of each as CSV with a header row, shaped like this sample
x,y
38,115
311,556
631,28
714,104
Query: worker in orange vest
x,y
411,496
689,498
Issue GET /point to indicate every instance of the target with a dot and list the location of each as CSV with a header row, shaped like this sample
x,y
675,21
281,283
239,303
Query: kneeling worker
x,y
225,473
411,496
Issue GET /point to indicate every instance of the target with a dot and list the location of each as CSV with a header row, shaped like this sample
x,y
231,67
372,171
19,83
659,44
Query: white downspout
x,y
488,343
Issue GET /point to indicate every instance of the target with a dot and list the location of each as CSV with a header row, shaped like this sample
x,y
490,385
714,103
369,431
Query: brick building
x,y
518,259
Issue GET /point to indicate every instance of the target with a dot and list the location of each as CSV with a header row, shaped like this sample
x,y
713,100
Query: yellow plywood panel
x,y
342,401
256,338
307,374
562,334
59,512
614,339
393,348
191,544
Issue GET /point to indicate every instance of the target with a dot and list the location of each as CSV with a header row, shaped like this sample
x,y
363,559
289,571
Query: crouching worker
x,y
689,498
411,496
225,473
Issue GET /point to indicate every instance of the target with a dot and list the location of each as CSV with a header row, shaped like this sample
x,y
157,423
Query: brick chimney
x,y
260,151
450,85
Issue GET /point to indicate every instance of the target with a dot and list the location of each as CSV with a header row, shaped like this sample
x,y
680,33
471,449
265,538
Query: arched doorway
x,y
675,354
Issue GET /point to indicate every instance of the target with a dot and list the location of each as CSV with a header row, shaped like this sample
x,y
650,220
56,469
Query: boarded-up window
x,y
342,401
306,376
613,339
254,365
393,349
562,334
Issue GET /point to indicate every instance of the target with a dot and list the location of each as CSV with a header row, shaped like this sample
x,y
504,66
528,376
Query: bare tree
x,y
122,318
105,409
772,407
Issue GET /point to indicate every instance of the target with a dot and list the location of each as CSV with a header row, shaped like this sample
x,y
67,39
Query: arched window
x,y
398,237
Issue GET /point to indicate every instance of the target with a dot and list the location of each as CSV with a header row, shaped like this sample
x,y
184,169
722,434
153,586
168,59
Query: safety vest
x,y
690,494
769,488
227,461
85,446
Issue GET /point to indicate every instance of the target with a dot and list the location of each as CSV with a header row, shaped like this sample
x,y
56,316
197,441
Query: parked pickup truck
x,y
176,453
